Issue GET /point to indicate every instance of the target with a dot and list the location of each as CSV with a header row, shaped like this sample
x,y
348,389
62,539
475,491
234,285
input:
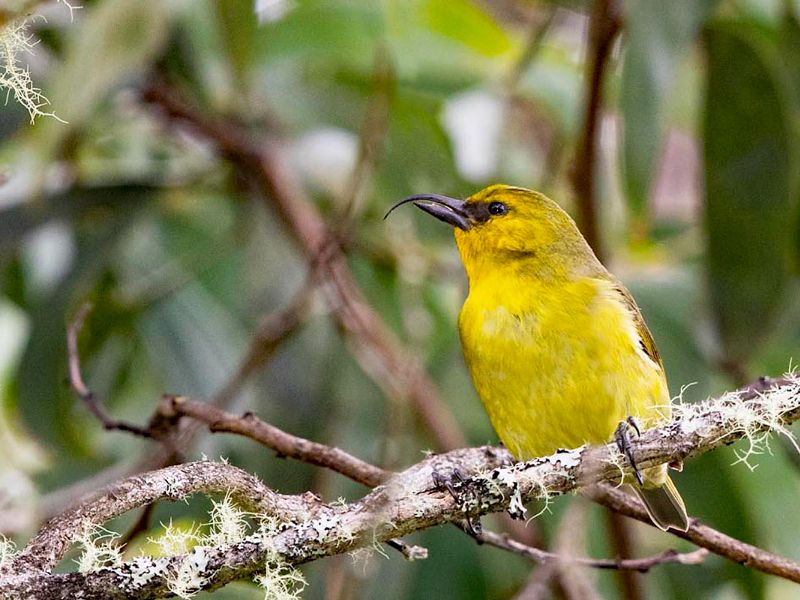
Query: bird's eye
x,y
497,209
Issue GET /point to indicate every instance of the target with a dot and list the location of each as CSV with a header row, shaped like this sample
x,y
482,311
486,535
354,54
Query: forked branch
x,y
408,502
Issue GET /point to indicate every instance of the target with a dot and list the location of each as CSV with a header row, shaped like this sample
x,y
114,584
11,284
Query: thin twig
x,y
642,565
79,387
703,536
407,550
285,444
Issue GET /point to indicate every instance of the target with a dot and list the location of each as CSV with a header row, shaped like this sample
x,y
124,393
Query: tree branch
x,y
285,444
47,548
79,387
406,503
704,536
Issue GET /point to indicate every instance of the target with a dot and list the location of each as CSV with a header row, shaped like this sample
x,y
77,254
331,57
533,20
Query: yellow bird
x,y
556,346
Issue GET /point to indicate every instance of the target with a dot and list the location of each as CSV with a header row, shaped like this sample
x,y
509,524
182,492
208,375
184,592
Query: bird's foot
x,y
457,485
622,437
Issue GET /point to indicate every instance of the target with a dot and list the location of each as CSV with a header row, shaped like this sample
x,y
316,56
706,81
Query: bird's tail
x,y
664,505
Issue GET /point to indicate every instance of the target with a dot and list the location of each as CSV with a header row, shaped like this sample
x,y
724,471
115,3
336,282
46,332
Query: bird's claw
x,y
623,441
457,485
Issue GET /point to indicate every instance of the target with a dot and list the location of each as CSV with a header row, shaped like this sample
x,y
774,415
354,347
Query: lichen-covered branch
x,y
408,502
47,548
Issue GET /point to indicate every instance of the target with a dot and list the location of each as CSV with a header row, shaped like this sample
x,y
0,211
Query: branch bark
x,y
47,548
404,504
285,444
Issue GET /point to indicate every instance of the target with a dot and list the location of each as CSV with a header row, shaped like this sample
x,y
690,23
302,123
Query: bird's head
x,y
504,225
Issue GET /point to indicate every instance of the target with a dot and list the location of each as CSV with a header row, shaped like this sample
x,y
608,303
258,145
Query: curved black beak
x,y
444,208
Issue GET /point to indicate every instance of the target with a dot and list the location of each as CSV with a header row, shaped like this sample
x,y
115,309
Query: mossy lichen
x,y
15,40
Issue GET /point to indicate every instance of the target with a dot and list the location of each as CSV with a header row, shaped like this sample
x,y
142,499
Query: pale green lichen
x,y
176,539
362,557
7,551
754,418
280,580
15,79
619,461
15,41
228,523
100,548
183,540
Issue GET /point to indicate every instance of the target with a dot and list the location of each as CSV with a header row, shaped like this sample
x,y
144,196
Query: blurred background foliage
x,y
695,192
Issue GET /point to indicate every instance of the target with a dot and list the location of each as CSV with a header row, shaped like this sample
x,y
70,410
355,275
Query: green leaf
x,y
748,173
659,35
464,22
343,33
192,340
238,27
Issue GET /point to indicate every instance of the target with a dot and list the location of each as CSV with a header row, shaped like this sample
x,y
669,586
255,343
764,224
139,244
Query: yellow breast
x,y
557,366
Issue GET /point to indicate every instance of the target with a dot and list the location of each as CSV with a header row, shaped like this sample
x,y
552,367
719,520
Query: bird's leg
x,y
444,482
623,439
457,485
